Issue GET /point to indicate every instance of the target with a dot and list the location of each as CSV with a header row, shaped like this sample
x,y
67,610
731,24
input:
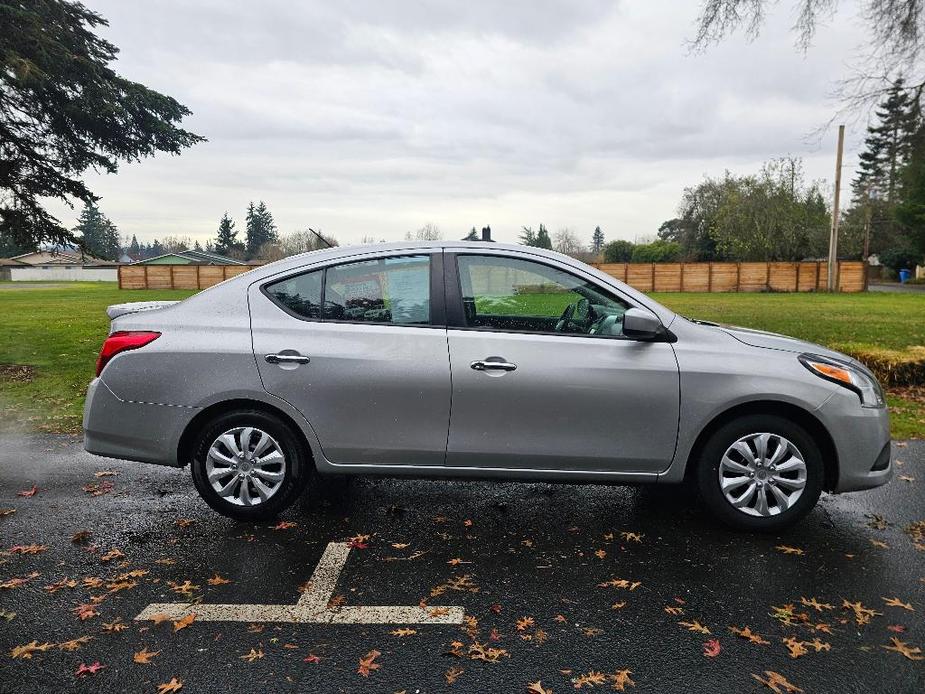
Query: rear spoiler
x,y
117,310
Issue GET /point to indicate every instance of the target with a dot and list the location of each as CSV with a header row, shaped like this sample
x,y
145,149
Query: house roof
x,y
11,261
196,257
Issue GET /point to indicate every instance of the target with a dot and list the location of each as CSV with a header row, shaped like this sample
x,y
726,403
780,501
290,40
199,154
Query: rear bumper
x,y
143,432
862,441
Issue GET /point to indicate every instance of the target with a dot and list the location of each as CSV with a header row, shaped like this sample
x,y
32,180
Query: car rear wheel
x,y
249,465
760,472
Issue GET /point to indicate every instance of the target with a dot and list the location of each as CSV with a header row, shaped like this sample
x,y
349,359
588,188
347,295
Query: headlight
x,y
867,389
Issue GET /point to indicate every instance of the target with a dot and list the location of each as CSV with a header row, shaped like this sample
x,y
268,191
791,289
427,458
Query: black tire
x,y
720,441
299,468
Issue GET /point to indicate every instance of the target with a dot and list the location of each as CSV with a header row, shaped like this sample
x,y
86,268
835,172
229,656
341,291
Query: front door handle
x,y
286,359
493,364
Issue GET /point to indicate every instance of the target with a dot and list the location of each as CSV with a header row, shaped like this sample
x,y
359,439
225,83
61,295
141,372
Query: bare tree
x,y
895,30
566,241
175,244
293,244
428,232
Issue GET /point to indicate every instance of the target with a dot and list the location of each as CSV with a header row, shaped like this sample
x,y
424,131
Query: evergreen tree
x,y
197,246
542,239
98,237
134,250
261,229
597,240
227,238
155,249
527,237
473,235
887,146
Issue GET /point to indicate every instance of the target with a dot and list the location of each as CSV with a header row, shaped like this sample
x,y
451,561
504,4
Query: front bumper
x,y
862,442
143,432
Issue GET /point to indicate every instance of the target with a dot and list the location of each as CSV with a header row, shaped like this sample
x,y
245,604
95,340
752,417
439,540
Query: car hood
x,y
766,340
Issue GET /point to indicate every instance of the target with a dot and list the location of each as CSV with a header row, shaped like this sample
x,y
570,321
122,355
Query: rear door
x,y
543,377
369,371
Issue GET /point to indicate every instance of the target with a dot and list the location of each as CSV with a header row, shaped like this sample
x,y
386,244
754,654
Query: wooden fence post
x,y
682,278
146,276
119,275
198,277
767,277
653,277
738,277
710,278
799,265
172,284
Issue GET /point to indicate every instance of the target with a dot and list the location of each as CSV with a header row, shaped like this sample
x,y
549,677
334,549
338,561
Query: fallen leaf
x,y
452,674
143,657
631,537
816,605
600,554
695,626
217,580
112,554
621,679
284,525
777,683
795,647
896,602
26,650
400,545
7,615
98,488
84,669
368,664
524,623
73,644
252,655
747,633
105,473
29,492
311,658
85,611
537,688
589,679
4,512
901,647
787,549
19,581
711,648
80,536
674,611
174,685
159,618
897,628
880,544
404,631
907,478
115,626
862,615
28,549
184,522
185,622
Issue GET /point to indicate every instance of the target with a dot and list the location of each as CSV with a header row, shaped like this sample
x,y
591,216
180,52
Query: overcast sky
x,y
374,117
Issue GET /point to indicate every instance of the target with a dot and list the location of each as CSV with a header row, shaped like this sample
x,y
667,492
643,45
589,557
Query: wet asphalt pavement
x,y
568,584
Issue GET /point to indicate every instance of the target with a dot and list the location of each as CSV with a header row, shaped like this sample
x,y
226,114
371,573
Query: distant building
x,y
190,258
58,266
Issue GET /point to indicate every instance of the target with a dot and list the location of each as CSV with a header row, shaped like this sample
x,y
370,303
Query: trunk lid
x,y
117,310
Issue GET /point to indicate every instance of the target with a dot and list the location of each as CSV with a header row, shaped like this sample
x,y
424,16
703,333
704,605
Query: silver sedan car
x,y
463,360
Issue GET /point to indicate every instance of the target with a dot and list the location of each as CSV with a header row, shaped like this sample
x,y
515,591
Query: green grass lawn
x,y
57,330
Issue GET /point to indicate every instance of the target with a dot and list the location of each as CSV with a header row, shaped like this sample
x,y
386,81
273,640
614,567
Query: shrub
x,y
660,251
618,251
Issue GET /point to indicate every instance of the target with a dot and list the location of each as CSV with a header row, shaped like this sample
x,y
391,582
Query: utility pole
x,y
867,217
833,237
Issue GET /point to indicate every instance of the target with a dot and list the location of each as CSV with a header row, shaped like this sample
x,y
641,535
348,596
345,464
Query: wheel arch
x,y
188,437
794,413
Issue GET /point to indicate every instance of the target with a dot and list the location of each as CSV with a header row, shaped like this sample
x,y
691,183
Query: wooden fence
x,y
737,277
176,276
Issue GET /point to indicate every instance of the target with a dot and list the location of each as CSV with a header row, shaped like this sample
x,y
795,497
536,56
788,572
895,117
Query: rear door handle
x,y
490,365
286,359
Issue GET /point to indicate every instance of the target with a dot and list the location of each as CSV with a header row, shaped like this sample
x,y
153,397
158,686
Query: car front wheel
x,y
760,472
249,465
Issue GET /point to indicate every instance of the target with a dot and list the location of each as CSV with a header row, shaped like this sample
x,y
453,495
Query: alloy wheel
x,y
762,474
245,466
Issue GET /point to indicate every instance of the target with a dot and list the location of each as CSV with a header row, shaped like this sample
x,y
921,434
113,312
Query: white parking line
x,y
312,606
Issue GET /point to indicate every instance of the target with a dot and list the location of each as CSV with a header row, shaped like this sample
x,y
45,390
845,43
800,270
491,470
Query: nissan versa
x,y
476,360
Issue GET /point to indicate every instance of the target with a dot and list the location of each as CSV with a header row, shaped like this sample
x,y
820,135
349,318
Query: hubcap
x,y
762,474
245,466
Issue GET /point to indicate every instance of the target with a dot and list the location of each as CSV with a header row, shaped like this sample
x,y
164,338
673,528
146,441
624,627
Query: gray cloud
x,y
372,117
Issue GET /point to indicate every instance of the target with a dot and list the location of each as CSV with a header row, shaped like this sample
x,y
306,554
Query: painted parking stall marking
x,y
312,606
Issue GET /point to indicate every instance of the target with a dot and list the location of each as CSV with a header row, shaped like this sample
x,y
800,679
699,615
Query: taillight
x,y
123,341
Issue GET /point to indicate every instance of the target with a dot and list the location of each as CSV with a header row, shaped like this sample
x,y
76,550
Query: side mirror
x,y
641,325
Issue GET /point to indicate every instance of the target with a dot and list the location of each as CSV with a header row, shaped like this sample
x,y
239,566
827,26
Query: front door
x,y
370,372
543,377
